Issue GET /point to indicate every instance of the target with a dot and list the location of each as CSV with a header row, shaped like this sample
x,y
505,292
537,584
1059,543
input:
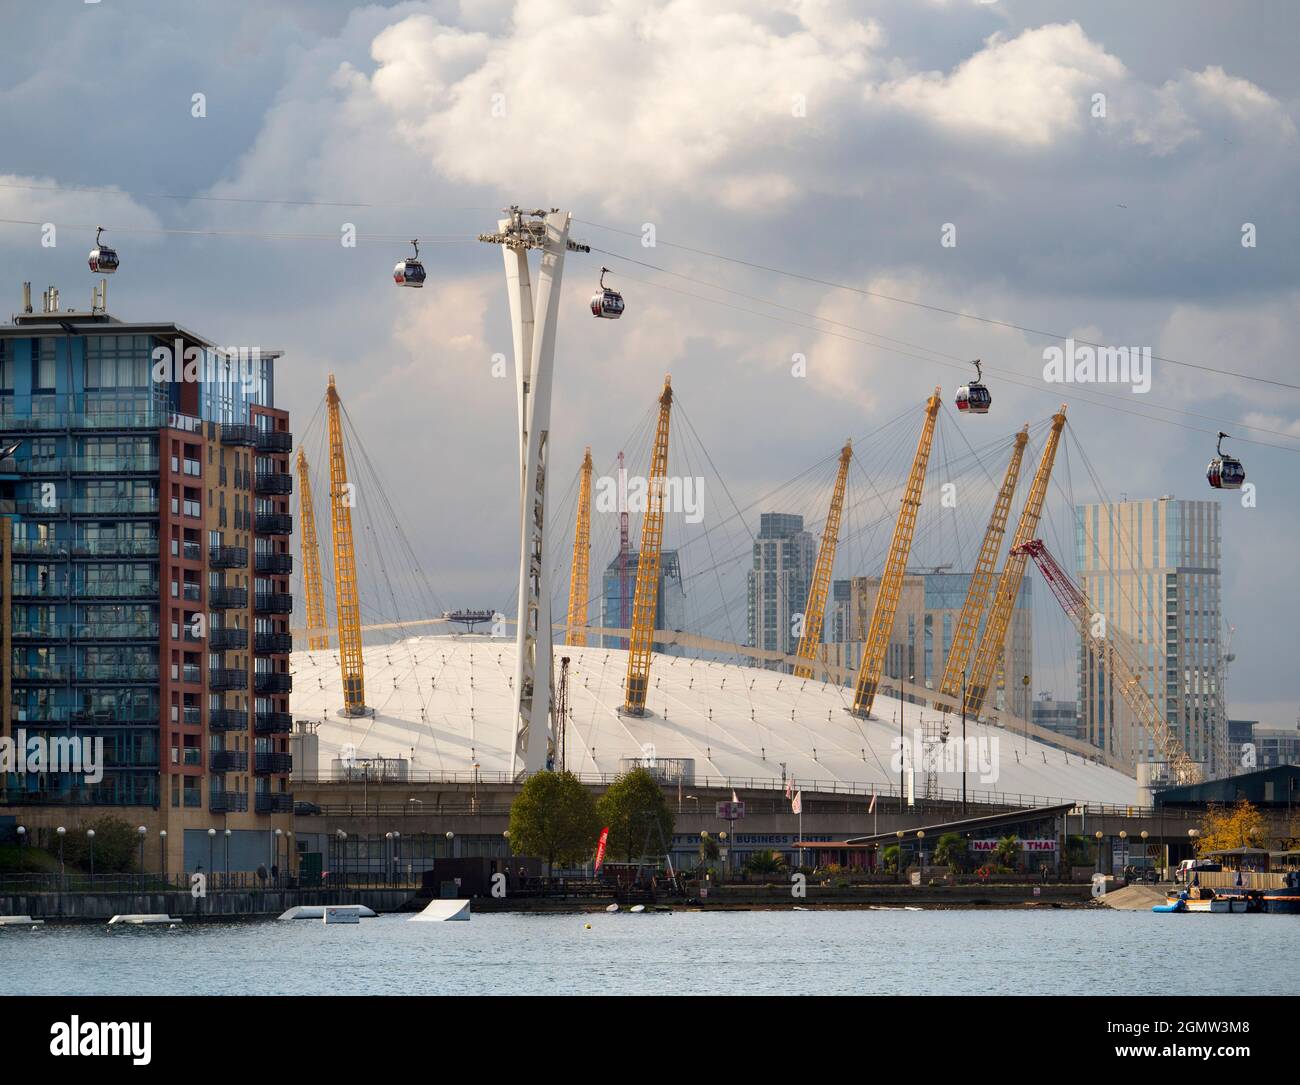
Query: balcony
x,y
239,435
227,598
273,523
273,602
191,673
228,761
114,465
227,719
224,678
228,557
272,682
272,723
41,631
39,548
117,672
227,802
50,588
270,440
130,716
273,764
270,644
116,589
274,803
115,506
192,715
222,640
114,631
115,548
273,564
40,672
191,551
273,482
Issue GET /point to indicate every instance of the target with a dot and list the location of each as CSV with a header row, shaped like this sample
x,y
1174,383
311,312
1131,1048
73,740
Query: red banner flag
x,y
600,848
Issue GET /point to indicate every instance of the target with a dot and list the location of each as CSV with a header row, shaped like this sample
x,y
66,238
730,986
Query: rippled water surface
x,y
812,952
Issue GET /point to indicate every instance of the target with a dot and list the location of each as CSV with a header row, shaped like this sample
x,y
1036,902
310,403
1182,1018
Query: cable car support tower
x,y
533,319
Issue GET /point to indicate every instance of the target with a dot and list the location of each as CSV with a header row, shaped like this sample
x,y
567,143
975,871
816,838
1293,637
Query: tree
x,y
765,862
117,845
709,850
1239,826
889,858
554,817
950,850
1008,850
637,814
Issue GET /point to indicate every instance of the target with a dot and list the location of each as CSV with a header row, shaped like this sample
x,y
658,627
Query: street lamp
x,y
1097,834
90,839
226,880
343,856
397,854
898,862
22,836
920,846
212,839
279,834
388,857
61,831
722,845
162,852
143,832
450,845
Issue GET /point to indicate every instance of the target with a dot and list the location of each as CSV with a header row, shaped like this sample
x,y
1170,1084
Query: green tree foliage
x,y
709,851
637,814
1008,850
889,859
765,862
950,850
554,817
117,845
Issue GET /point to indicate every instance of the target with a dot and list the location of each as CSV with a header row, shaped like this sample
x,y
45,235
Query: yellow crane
x,y
981,581
346,602
1119,660
646,595
1013,573
313,595
891,583
814,613
580,572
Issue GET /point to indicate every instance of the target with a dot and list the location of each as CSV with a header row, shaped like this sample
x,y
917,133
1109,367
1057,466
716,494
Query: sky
x,y
1083,170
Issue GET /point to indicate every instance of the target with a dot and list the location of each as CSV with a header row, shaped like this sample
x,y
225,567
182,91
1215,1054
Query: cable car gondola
x,y
410,272
605,302
103,260
974,398
1225,472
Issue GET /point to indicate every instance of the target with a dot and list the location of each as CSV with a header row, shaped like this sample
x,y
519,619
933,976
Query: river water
x,y
1048,952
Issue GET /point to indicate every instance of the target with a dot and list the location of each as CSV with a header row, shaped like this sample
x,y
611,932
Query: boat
x,y
1170,906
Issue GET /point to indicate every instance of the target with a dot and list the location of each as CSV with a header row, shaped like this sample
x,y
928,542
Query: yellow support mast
x,y
891,583
347,604
579,575
313,595
814,613
645,597
981,582
1013,573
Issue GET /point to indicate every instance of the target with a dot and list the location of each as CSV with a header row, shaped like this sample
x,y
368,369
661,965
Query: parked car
x,y
306,808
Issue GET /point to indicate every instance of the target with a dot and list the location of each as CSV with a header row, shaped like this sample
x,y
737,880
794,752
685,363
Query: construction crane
x,y
346,603
891,583
815,612
981,582
1118,659
579,575
313,595
1013,573
646,596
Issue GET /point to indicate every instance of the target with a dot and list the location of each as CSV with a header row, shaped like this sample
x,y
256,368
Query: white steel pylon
x,y
532,319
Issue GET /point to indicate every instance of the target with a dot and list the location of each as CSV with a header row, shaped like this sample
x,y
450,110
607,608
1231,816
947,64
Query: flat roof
x,y
964,825
26,325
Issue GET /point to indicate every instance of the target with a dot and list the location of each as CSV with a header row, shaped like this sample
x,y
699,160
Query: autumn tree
x,y
637,814
1238,826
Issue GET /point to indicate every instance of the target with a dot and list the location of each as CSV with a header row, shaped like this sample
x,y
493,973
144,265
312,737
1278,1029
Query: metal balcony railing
x,y
273,523
273,482
273,564
273,602
273,643
224,678
227,598
272,682
272,723
228,557
273,763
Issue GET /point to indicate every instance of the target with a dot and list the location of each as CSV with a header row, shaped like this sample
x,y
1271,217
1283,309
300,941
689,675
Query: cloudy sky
x,y
1095,164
